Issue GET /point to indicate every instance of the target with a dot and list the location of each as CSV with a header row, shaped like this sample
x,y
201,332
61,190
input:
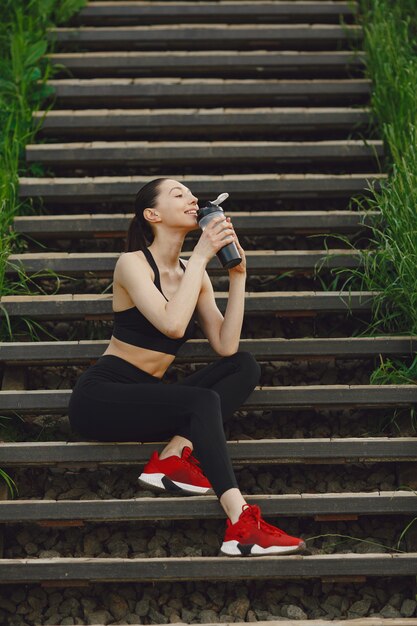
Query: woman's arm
x,y
223,333
171,317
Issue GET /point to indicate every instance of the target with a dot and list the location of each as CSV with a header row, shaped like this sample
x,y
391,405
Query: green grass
x,y
389,267
390,46
24,71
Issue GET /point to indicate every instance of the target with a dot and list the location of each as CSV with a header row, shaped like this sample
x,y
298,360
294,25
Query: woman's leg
x,y
108,411
233,377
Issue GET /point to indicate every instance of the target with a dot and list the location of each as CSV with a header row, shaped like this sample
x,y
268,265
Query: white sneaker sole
x,y
163,483
234,548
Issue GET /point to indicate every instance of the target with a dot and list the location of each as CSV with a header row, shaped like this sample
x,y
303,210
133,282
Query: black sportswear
x,y
132,327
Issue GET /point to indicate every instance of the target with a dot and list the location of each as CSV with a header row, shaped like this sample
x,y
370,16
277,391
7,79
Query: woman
x,y
122,396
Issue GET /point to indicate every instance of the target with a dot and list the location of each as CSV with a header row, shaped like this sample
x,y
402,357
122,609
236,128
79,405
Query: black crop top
x,y
131,326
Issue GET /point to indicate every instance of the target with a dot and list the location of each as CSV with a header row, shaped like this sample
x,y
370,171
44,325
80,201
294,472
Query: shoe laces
x,y
194,463
252,513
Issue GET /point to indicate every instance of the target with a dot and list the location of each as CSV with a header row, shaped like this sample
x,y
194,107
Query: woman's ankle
x,y
175,447
232,502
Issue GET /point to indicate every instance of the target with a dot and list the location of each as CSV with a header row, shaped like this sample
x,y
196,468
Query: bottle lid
x,y
220,198
211,206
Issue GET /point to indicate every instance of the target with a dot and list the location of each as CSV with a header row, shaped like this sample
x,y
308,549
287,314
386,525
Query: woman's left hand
x,y
241,268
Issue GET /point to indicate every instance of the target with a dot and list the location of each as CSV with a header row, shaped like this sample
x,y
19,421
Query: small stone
x,y
359,608
118,606
293,612
389,611
142,607
131,618
31,548
198,599
91,545
99,617
396,600
157,617
208,616
239,607
118,548
88,604
49,554
187,615
408,608
54,619
23,537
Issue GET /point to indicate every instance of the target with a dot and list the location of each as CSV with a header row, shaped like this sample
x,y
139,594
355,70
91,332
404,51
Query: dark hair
x,y
140,234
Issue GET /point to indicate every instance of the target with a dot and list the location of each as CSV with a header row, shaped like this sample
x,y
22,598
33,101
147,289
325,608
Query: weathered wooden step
x,y
176,92
258,262
160,92
115,13
207,36
101,570
89,306
118,189
261,451
205,507
186,122
360,621
213,63
199,350
259,222
56,401
171,153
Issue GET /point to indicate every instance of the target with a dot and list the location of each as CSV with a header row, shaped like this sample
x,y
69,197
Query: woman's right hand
x,y
216,234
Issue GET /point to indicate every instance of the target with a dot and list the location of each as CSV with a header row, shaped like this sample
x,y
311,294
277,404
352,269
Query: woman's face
x,y
177,206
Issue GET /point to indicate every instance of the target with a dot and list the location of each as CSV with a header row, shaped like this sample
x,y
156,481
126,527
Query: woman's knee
x,y
249,366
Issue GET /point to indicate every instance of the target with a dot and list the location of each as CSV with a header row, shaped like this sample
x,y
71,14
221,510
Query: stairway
x,y
267,101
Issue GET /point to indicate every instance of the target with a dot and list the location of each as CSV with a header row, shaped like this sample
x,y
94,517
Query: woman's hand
x,y
217,234
241,268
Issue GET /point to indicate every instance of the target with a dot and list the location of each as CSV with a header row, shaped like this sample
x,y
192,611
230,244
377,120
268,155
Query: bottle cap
x,y
220,198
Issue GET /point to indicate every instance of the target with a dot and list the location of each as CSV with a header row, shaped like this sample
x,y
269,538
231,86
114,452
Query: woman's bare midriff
x,y
151,361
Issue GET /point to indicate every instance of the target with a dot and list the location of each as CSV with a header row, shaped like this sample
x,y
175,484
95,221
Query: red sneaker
x,y
179,475
251,535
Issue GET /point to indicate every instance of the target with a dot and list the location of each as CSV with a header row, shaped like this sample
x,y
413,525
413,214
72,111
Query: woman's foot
x,y
178,475
251,535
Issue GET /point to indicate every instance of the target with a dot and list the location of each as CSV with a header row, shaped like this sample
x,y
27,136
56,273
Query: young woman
x,y
122,397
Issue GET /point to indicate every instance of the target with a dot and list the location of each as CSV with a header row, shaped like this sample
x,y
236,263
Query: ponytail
x,y
140,234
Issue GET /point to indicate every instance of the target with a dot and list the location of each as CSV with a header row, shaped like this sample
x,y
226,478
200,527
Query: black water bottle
x,y
228,255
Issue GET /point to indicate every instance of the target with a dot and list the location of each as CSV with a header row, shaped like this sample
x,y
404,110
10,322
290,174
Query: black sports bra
x,y
131,326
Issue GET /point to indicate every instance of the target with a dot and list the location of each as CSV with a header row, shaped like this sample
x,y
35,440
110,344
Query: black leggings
x,y
115,401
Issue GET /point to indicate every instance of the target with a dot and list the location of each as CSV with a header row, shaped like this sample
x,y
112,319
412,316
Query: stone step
x,y
186,122
261,451
172,153
99,306
211,63
258,222
177,92
116,569
115,13
199,350
202,36
208,507
258,262
262,398
122,189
